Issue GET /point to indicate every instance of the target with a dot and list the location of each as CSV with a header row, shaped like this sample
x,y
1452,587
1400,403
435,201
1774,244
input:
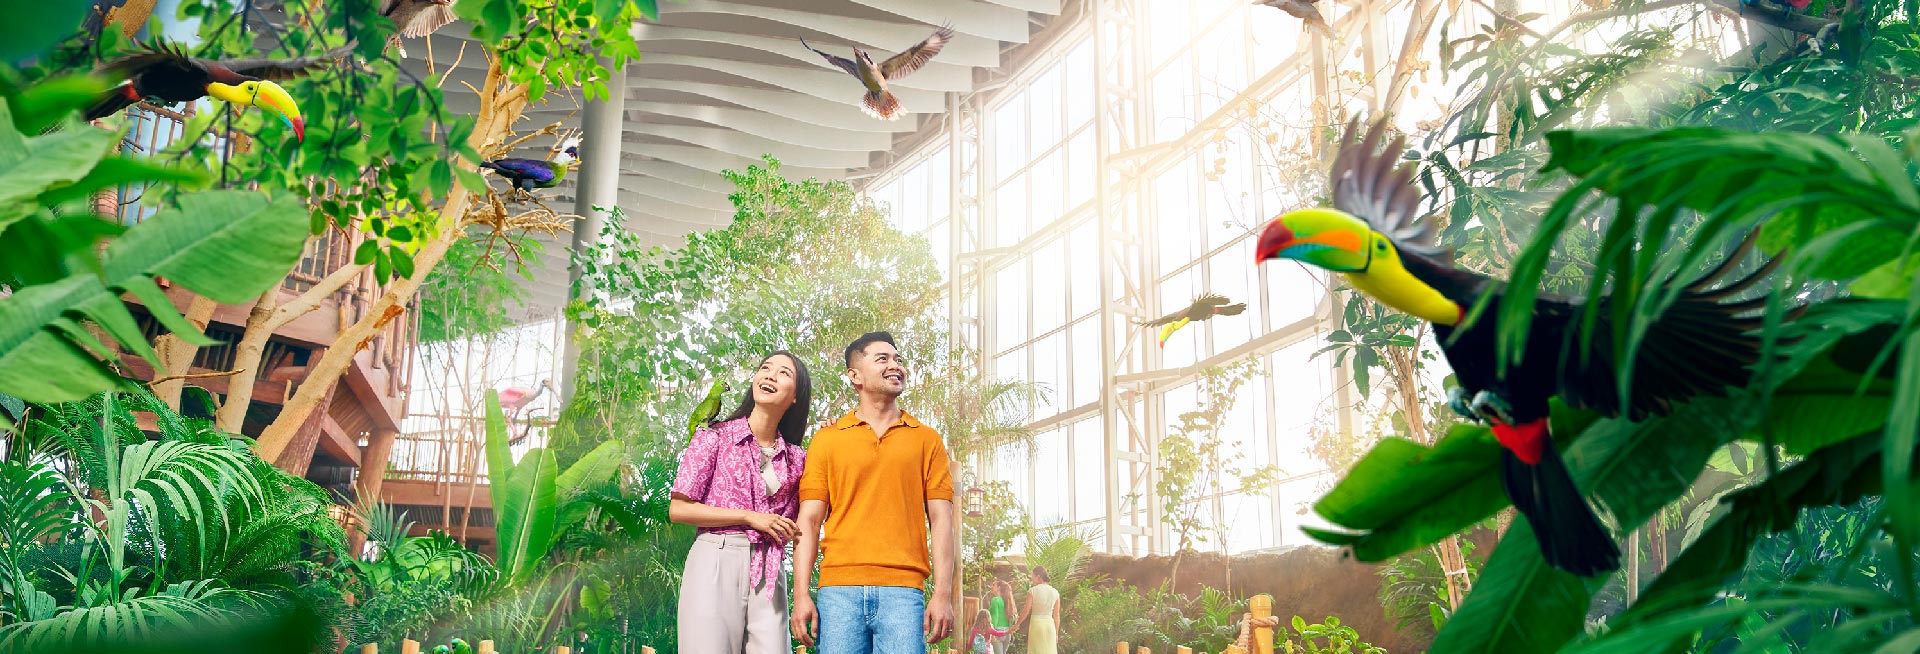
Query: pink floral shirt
x,y
721,468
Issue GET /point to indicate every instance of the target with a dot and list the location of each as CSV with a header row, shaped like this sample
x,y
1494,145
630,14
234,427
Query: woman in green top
x,y
1000,607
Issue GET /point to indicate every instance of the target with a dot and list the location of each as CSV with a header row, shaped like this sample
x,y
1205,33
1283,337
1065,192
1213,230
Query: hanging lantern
x,y
976,498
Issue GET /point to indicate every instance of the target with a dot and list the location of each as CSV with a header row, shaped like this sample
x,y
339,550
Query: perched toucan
x,y
529,174
168,74
879,102
1203,308
1701,345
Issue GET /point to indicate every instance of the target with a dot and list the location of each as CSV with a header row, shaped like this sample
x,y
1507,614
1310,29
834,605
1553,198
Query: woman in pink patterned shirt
x,y
739,483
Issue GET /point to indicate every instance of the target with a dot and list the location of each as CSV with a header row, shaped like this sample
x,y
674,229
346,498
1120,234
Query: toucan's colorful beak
x,y
269,97
1327,238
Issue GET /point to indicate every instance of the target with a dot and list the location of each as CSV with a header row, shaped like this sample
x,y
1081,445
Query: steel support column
x,y
598,185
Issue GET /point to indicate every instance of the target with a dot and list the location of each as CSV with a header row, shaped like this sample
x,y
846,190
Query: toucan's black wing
x,y
285,69
842,62
1166,319
1372,183
155,56
1707,341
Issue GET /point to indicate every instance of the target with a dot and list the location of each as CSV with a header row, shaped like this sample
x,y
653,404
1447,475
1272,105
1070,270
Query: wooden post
x,y
409,646
370,648
961,622
1143,650
1262,607
1183,649
486,647
562,649
649,650
1122,648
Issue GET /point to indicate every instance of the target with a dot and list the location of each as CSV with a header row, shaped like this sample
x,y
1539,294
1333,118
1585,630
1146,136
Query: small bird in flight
x,y
1204,308
415,19
879,102
1305,10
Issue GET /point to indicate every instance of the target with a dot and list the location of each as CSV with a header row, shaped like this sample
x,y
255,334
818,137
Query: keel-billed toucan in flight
x,y
168,74
1203,308
1702,344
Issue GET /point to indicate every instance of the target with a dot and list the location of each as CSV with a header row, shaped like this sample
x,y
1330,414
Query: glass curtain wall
x,y
1219,115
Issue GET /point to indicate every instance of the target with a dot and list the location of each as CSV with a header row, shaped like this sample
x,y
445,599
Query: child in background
x,y
980,638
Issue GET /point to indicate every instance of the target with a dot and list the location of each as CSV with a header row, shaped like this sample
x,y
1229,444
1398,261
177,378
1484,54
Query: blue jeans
x,y
872,620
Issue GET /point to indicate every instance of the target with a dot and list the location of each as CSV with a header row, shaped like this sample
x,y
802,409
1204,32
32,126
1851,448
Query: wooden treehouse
x,y
348,444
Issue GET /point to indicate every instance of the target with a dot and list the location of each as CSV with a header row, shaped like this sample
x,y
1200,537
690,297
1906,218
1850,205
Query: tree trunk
x,y
1633,566
1424,14
295,458
500,105
267,317
132,16
246,361
176,355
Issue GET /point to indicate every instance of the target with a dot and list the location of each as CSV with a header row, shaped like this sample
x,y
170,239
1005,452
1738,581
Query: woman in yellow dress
x,y
1043,606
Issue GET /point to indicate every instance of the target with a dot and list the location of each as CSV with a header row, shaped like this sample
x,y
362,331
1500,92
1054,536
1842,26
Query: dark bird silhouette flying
x,y
1305,10
1204,308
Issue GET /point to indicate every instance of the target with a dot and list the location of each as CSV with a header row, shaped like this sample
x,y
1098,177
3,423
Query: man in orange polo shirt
x,y
877,477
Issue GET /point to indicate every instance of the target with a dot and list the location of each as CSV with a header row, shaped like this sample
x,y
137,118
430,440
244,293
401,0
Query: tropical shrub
x,y
1327,637
111,536
225,245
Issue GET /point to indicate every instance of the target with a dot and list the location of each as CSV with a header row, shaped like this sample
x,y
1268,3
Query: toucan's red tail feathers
x,y
112,102
1570,535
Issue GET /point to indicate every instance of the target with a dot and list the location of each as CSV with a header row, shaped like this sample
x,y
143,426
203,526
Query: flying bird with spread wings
x,y
167,74
416,19
1305,10
1204,308
1705,343
879,102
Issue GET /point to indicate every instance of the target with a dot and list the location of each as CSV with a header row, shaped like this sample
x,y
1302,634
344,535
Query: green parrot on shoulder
x,y
708,409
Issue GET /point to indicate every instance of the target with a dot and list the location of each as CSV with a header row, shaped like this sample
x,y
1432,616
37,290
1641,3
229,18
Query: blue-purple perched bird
x,y
529,174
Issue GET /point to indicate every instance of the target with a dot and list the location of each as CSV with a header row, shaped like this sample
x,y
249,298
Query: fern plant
x,y
131,536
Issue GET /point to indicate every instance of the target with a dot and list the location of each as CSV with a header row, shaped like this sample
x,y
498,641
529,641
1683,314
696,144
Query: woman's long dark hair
x,y
793,425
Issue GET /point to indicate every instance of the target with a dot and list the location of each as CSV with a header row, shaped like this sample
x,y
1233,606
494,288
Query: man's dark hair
x,y
860,344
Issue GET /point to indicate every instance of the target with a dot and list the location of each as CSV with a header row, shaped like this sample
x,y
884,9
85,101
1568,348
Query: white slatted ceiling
x,y
720,82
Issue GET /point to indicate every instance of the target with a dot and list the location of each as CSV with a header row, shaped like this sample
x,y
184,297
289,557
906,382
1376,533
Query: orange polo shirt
x,y
876,490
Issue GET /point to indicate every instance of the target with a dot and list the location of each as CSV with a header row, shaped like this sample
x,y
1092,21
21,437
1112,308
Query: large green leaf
x,y
1839,474
1522,605
1403,495
31,165
597,466
42,357
113,172
32,28
524,500
51,100
1821,192
225,245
